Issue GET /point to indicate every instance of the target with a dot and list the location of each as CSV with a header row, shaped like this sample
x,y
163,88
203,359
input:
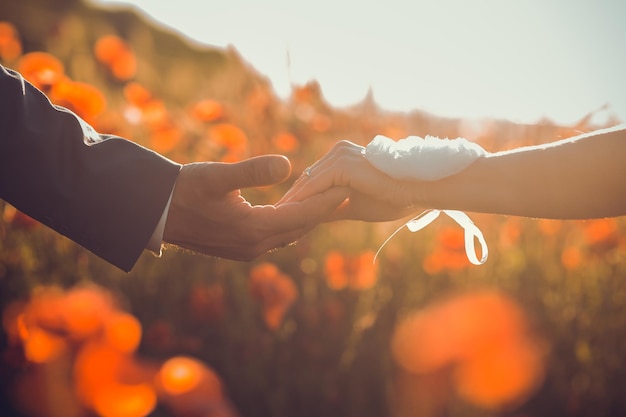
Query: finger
x,y
343,212
371,210
341,150
298,214
254,172
291,221
324,180
351,171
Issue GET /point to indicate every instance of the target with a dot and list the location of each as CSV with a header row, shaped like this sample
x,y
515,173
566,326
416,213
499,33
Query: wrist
x,y
422,195
156,240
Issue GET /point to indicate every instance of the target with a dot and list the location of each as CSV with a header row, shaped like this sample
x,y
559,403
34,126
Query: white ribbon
x,y
471,232
427,159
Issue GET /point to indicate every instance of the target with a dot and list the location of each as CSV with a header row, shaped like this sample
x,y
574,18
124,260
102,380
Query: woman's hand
x,y
374,196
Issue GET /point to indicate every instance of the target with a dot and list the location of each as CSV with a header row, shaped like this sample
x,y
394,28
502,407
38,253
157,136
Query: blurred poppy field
x,y
314,329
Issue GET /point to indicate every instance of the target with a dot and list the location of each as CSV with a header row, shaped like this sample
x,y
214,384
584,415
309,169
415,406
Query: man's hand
x,y
209,215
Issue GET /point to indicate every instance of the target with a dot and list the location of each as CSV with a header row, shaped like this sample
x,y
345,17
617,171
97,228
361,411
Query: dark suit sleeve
x,y
103,192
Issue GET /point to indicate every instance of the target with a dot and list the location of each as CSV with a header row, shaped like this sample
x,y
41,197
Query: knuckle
x,y
345,164
252,170
344,143
345,146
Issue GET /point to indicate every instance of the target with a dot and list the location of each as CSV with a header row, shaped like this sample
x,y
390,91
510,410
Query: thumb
x,y
254,172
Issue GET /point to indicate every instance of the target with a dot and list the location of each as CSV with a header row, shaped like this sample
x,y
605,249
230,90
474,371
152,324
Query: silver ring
x,y
307,172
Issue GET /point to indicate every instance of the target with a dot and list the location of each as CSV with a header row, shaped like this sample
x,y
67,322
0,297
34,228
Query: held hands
x,y
209,215
374,196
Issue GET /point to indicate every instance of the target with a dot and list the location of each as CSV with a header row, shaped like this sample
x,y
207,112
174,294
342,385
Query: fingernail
x,y
279,168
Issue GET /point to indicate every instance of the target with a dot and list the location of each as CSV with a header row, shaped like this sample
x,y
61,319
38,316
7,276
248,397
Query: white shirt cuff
x,y
156,240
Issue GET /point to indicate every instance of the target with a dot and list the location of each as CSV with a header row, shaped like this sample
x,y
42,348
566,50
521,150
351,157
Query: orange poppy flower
x,y
179,375
229,136
571,257
154,114
136,94
41,69
10,45
95,364
275,292
78,314
451,238
394,132
85,311
45,310
98,372
122,331
321,123
307,93
449,253
602,234
124,400
207,110
486,340
206,302
83,99
40,345
335,270
166,139
285,142
86,326
503,378
113,52
442,260
355,272
185,385
365,271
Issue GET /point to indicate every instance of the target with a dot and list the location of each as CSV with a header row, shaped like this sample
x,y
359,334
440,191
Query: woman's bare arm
x,y
575,178
581,177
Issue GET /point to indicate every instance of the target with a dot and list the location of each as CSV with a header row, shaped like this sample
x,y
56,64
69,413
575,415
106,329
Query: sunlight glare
x,y
521,61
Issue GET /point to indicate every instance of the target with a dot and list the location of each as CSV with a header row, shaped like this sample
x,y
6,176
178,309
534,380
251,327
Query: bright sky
x,y
519,60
